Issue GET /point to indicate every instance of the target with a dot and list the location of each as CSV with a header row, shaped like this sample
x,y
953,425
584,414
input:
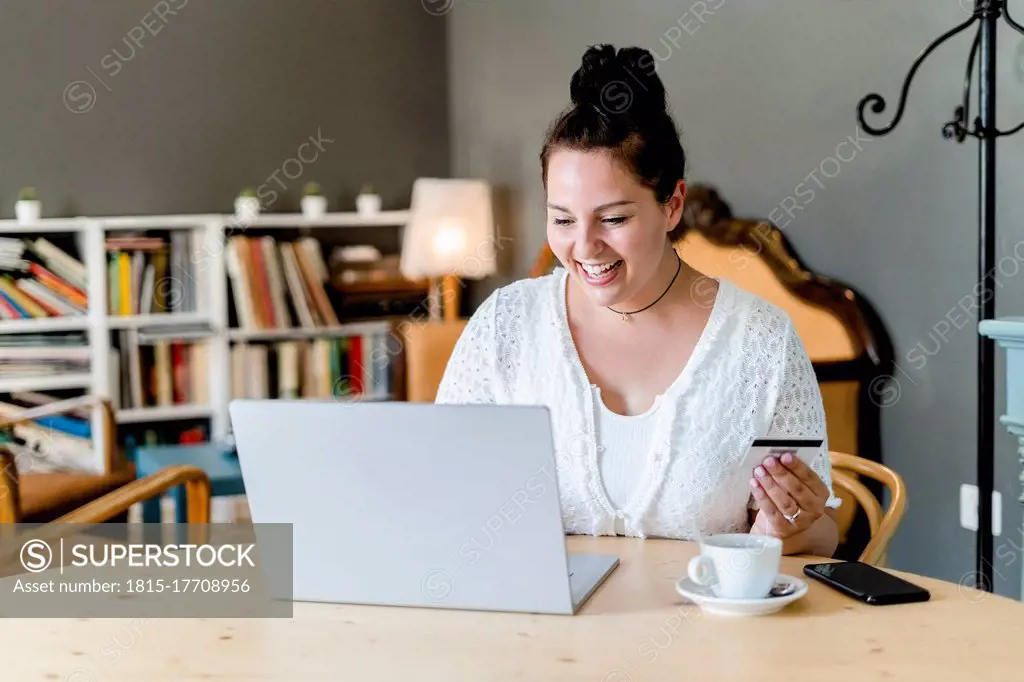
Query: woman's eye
x,y
562,221
615,220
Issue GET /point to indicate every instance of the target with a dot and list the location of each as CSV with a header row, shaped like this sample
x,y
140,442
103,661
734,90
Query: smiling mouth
x,y
599,272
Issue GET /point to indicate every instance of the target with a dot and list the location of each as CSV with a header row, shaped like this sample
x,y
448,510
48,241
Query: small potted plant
x,y
247,205
314,203
27,209
367,201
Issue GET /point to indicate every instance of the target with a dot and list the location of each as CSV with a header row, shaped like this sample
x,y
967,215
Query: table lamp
x,y
450,235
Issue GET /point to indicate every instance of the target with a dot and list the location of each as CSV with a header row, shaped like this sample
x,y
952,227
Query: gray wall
x,y
764,92
202,98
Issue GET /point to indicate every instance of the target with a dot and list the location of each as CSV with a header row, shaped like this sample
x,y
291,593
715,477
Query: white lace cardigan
x,y
748,376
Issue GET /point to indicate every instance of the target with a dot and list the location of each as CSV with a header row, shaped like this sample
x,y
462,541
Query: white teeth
x,y
597,270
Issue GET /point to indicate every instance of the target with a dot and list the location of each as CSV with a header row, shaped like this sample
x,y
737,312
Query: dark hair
x,y
618,104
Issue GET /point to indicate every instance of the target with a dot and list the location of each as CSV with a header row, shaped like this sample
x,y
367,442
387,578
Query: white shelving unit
x,y
211,230
169,412
350,329
46,383
71,323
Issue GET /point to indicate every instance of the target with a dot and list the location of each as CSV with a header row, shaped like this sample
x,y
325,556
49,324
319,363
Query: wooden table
x,y
634,628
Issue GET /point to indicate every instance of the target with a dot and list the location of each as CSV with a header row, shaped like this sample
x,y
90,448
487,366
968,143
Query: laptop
x,y
415,504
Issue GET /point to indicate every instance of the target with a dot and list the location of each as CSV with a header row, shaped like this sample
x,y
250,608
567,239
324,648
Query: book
x,y
238,275
21,301
275,282
151,273
66,424
24,355
357,366
161,368
70,269
277,285
72,295
35,399
299,297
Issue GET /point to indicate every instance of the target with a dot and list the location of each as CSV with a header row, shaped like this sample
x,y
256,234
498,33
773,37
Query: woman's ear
x,y
675,205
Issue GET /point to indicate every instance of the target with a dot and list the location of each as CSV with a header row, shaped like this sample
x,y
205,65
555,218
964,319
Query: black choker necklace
x,y
625,315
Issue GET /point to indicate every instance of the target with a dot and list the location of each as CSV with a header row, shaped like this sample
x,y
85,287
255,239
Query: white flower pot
x,y
247,208
28,211
368,204
314,207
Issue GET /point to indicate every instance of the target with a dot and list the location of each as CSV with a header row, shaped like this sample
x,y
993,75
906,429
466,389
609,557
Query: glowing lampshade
x,y
450,230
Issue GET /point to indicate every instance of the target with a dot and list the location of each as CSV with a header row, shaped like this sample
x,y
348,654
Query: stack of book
x,y
273,285
148,275
158,370
43,355
349,367
38,280
56,443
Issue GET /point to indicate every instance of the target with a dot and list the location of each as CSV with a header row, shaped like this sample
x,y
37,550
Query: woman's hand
x,y
791,499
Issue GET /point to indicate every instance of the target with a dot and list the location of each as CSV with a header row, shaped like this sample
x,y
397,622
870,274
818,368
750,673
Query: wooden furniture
x,y
1009,334
845,470
42,497
843,335
451,297
635,628
90,498
426,349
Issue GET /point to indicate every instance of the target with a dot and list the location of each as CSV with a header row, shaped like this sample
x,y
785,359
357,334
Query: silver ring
x,y
792,518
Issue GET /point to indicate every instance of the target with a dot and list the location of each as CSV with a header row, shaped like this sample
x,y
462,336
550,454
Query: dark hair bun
x,y
618,105
618,82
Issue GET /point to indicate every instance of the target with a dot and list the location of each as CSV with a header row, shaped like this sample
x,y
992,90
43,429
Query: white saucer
x,y
705,598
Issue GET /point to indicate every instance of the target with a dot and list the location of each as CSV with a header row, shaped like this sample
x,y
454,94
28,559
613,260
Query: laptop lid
x,y
410,504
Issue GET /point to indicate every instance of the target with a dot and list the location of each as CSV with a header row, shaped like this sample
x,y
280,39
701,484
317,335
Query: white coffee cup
x,y
737,565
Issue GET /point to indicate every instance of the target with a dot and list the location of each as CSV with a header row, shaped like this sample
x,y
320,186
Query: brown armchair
x,y
41,497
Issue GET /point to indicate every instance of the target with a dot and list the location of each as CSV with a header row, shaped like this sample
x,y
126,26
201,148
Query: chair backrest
x,y
427,347
845,471
844,337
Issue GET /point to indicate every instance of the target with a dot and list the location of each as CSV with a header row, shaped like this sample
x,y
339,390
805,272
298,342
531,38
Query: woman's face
x,y
606,228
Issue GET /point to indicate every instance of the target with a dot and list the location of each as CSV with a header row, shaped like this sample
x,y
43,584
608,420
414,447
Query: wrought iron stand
x,y
986,14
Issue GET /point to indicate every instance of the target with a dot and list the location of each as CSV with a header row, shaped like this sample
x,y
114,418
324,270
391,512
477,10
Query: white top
x,y
749,376
623,444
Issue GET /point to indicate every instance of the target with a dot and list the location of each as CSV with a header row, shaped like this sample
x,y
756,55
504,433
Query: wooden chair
x,y
29,497
427,347
845,470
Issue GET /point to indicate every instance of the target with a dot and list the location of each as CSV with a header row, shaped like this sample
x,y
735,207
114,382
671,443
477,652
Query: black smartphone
x,y
867,583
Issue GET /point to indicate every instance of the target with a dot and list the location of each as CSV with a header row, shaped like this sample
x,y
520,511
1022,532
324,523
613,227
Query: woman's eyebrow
x,y
621,202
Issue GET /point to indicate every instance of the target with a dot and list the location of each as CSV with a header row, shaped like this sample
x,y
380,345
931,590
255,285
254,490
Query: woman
x,y
657,377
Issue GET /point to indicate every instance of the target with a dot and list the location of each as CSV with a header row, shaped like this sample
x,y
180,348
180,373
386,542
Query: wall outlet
x,y
969,509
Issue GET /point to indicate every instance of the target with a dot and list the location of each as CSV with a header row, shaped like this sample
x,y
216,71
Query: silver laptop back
x,y
411,504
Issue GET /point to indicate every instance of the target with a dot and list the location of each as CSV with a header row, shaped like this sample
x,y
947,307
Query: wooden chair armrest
x,y
8,486
197,496
197,490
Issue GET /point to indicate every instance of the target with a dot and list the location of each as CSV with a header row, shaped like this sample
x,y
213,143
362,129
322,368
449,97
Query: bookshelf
x,y
70,323
209,235
59,382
